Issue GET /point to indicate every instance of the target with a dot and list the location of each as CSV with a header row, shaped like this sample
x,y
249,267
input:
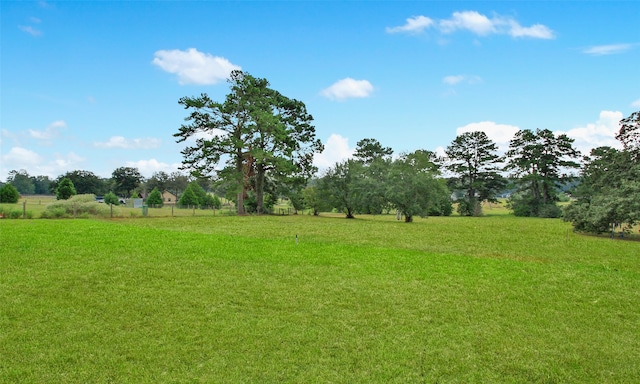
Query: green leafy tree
x,y
312,199
159,180
155,198
472,158
65,189
41,185
111,198
412,187
375,160
85,182
211,201
177,183
609,192
21,181
369,150
199,192
125,180
341,187
189,198
256,129
539,159
9,194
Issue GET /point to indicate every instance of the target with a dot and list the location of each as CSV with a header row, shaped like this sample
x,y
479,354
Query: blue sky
x,y
94,85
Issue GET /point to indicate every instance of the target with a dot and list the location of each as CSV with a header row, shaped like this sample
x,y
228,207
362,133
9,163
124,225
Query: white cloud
x,y
500,134
21,158
36,164
456,79
636,104
600,133
348,88
52,131
121,142
30,30
336,149
414,25
475,23
536,31
453,80
611,49
194,67
148,167
469,20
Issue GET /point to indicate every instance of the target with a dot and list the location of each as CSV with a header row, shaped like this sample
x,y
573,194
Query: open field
x,y
238,299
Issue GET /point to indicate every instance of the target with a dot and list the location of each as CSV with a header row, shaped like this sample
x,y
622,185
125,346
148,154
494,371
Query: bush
x,y
66,189
9,194
550,211
211,201
155,199
80,205
469,208
111,198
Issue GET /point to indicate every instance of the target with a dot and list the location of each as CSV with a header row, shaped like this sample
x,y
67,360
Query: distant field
x,y
239,299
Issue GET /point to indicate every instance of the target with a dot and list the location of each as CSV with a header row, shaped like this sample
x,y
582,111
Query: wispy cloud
x,y
457,79
347,89
52,131
194,67
611,49
123,143
475,23
415,24
453,80
636,104
30,30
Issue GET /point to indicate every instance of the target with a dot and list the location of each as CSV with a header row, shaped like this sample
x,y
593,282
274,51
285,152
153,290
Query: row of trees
x,y
124,182
260,145
372,182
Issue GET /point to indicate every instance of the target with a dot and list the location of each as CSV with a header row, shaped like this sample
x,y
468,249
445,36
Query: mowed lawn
x,y
305,299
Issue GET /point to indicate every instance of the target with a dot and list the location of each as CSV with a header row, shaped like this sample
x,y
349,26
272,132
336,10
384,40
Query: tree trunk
x,y
240,175
260,174
408,219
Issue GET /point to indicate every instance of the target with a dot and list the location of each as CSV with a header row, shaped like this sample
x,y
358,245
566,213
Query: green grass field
x,y
230,299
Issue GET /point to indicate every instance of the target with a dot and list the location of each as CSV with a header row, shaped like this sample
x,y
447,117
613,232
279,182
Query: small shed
x,y
168,197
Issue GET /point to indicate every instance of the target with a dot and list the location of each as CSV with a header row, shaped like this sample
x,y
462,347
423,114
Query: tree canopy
x,y
609,192
126,179
540,160
9,194
255,131
472,158
65,189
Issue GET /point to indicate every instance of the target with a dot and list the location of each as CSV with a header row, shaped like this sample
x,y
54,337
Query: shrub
x,y
211,201
80,205
9,194
54,213
65,189
111,198
550,211
155,199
